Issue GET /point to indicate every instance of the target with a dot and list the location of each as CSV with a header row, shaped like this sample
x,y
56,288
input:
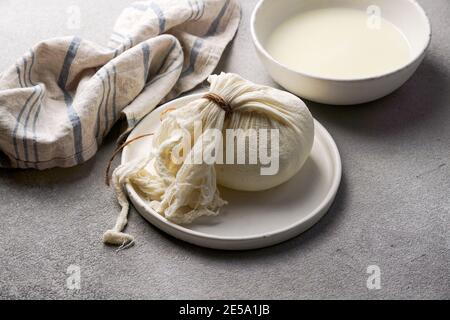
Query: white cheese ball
x,y
267,108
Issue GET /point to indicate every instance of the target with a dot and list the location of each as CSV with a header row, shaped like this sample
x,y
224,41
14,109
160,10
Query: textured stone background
x,y
392,208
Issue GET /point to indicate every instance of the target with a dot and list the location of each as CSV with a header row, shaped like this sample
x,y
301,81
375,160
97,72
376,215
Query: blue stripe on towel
x,y
114,107
16,128
31,67
215,24
156,9
18,75
24,108
146,58
201,10
197,11
172,46
199,42
70,56
24,71
193,11
30,82
36,115
116,52
25,126
124,45
73,116
105,131
97,130
160,14
14,135
195,50
160,74
130,40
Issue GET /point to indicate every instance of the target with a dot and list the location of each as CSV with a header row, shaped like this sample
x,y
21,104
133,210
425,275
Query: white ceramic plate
x,y
251,219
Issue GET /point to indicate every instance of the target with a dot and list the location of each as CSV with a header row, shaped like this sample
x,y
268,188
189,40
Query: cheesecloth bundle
x,y
184,189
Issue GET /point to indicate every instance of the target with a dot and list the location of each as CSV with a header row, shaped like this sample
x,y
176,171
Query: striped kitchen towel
x,y
60,99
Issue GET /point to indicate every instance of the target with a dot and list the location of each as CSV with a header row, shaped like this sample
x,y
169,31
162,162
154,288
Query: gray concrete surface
x,y
392,209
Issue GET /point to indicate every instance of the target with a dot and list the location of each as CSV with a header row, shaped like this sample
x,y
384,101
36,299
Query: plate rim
x,y
317,213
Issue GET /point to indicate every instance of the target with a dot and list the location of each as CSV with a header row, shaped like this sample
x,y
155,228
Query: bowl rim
x,y
417,57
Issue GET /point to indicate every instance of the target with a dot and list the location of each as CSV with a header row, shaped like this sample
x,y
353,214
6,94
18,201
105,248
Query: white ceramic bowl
x,y
407,15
